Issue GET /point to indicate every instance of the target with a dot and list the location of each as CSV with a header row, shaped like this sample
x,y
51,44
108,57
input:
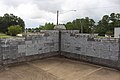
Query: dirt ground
x,y
58,69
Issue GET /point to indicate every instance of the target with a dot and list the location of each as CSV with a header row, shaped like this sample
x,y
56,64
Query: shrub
x,y
14,30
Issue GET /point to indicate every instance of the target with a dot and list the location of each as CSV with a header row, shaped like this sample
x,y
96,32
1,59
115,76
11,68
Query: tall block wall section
x,y
81,47
67,43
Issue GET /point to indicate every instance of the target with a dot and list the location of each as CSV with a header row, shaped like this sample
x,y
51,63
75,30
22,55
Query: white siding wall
x,y
116,32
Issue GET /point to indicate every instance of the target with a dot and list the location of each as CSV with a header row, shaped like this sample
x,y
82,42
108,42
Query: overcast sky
x,y
38,12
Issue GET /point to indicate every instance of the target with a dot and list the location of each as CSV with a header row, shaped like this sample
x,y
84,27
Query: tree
x,y
69,26
102,26
29,29
108,23
14,30
109,33
84,25
48,26
10,20
118,19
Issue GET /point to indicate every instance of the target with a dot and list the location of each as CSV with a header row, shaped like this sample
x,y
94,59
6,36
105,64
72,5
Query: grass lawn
x,y
100,36
4,35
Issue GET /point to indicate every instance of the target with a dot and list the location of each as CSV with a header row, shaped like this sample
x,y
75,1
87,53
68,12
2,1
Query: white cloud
x,y
37,12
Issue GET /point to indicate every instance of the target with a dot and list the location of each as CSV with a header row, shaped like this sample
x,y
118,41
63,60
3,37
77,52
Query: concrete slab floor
x,y
58,69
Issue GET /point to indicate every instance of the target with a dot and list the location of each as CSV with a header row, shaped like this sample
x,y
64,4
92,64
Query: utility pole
x,y
81,27
57,16
59,38
59,34
62,13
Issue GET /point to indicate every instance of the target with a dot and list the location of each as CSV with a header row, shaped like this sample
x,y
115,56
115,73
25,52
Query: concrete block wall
x,y
73,45
80,47
13,49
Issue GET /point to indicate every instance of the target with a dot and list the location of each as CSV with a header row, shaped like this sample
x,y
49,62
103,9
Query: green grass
x,y
4,35
100,36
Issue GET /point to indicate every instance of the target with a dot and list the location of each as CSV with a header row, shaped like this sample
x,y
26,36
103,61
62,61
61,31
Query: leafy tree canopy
x,y
48,26
108,23
10,20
